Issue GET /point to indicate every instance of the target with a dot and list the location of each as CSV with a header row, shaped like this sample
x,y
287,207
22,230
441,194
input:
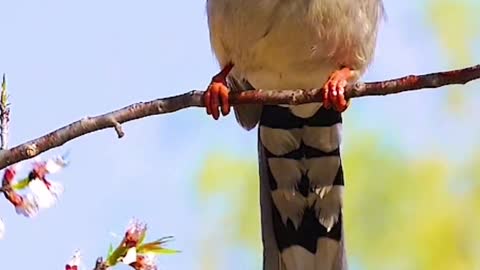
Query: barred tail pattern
x,y
301,184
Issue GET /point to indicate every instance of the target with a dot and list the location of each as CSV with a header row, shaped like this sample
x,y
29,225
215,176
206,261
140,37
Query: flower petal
x,y
150,259
2,229
135,232
28,207
131,256
45,196
55,164
145,262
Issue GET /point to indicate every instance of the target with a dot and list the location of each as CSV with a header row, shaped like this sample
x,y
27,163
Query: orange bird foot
x,y
335,90
216,94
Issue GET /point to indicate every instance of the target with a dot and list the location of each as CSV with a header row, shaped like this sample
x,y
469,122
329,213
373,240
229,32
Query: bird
x,y
294,44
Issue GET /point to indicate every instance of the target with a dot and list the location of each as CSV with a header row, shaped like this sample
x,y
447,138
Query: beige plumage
x,y
290,44
287,44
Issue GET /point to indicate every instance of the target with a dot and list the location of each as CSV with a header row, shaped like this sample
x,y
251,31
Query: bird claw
x,y
334,90
217,94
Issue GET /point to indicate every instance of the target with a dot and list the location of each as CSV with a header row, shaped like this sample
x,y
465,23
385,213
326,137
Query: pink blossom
x,y
145,262
135,231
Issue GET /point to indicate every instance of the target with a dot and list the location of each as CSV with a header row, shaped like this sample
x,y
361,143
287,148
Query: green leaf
x,y
22,184
4,82
163,251
142,237
156,247
110,250
156,250
4,91
119,252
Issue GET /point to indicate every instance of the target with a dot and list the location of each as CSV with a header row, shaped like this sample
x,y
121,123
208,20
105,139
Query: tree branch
x,y
193,98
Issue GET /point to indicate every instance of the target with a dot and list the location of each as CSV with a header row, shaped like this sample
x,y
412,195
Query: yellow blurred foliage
x,y
400,213
457,25
235,181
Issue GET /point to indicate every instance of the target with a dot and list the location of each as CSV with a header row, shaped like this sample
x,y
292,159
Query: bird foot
x,y
217,94
334,95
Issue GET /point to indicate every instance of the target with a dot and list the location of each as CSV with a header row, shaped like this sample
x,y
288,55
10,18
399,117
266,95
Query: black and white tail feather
x,y
301,186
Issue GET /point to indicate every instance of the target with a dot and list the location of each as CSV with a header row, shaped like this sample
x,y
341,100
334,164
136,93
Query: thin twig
x,y
193,98
4,114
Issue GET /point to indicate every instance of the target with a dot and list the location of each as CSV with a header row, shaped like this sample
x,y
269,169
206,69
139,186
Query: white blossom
x,y
29,206
150,261
45,196
131,256
54,165
2,229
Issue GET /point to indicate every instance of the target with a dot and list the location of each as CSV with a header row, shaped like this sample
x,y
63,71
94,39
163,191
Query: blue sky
x,y
69,59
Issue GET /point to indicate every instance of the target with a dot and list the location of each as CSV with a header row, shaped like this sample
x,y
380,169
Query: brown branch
x,y
194,99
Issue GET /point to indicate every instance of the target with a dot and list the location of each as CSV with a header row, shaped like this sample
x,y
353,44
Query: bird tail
x,y
301,187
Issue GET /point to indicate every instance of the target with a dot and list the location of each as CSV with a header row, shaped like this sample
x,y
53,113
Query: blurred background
x,y
412,161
